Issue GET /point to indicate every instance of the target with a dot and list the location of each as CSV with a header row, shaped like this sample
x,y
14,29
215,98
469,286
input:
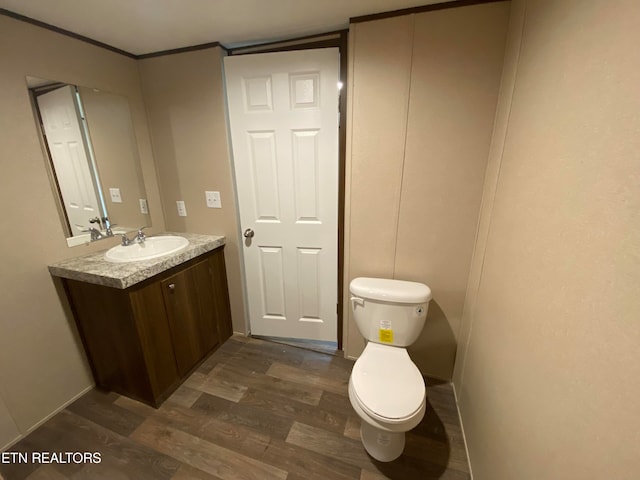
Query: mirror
x,y
95,171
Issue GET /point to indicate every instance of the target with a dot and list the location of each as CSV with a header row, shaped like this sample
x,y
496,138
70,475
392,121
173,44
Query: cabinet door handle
x,y
172,286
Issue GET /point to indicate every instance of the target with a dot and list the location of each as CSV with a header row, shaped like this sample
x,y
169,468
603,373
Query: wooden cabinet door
x,y
155,338
190,306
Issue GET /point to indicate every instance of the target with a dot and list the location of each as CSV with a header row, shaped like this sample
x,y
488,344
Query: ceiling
x,y
146,26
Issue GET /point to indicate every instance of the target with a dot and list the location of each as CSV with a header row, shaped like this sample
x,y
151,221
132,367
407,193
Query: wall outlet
x,y
144,208
115,195
182,210
213,199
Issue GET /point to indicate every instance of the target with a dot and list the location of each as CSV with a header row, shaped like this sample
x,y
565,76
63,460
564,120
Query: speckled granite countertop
x,y
94,268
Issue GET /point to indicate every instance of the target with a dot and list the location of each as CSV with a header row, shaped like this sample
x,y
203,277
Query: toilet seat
x,y
387,384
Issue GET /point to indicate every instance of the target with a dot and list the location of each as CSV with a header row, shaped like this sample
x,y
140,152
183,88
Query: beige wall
x,y
185,103
423,96
42,365
547,372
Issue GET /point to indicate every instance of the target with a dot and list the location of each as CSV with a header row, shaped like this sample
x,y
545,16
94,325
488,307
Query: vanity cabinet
x,y
143,341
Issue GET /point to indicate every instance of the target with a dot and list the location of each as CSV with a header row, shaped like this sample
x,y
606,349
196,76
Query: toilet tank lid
x,y
387,290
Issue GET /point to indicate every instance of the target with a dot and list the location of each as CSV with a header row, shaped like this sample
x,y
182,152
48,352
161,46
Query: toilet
x,y
386,389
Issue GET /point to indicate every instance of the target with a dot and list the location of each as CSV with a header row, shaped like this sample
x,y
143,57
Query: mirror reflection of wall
x,y
95,168
114,143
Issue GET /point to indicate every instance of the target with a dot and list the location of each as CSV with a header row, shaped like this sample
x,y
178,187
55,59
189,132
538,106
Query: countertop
x,y
94,268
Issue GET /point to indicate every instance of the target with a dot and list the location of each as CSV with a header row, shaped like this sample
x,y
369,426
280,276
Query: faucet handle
x,y
95,233
140,236
109,229
125,240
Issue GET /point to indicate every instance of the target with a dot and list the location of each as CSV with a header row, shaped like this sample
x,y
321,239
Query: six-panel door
x,y
283,110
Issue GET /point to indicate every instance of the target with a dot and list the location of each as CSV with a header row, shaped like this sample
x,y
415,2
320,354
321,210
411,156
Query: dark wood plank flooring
x,y
253,410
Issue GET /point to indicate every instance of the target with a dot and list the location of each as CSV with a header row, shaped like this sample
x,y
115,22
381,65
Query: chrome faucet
x,y
125,240
97,220
108,227
139,238
95,234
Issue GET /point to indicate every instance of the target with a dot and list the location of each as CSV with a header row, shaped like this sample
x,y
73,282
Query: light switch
x,y
213,199
144,209
115,195
182,209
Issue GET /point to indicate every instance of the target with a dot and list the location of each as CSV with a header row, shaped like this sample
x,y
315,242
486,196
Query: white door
x,y
69,155
283,110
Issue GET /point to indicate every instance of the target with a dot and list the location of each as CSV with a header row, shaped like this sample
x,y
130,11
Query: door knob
x,y
248,233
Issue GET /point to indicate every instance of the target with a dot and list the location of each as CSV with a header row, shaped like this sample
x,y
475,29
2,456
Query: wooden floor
x,y
318,346
253,410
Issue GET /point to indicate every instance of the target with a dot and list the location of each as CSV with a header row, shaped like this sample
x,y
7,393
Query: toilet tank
x,y
389,311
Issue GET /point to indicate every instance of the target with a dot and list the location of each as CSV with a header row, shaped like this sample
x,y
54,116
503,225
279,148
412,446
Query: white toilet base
x,y
382,445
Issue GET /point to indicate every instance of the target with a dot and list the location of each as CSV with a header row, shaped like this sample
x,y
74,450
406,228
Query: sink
x,y
153,247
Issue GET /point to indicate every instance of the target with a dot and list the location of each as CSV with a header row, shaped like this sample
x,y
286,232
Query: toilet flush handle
x,y
356,301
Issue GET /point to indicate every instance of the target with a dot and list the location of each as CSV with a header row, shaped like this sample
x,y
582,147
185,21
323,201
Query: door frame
x,y
337,39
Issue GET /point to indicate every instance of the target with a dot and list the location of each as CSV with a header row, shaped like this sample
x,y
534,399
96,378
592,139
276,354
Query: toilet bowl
x,y
387,392
386,389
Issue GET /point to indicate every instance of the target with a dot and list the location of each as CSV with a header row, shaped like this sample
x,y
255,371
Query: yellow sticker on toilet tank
x,y
385,332
386,336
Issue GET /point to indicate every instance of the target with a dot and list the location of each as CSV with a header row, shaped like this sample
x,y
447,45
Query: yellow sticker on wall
x,y
386,336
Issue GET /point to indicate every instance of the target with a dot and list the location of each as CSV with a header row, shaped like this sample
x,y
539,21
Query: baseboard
x,y
464,437
52,414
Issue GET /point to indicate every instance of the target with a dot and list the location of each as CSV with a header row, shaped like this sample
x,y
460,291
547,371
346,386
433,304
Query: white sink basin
x,y
153,247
